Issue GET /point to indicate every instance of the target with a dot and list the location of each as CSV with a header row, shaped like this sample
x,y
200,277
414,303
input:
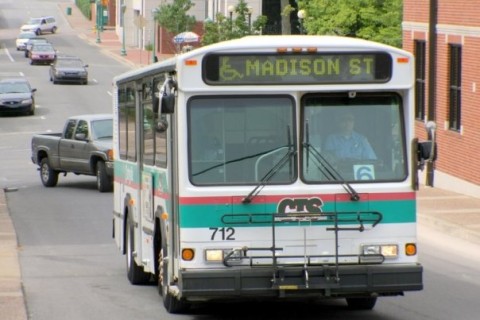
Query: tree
x,y
173,17
236,26
377,20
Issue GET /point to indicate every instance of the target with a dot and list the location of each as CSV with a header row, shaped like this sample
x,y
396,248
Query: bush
x,y
85,7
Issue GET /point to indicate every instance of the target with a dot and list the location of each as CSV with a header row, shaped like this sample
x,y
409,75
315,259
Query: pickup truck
x,y
83,148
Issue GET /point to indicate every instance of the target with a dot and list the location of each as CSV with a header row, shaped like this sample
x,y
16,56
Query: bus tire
x,y
135,274
104,182
171,303
48,176
361,303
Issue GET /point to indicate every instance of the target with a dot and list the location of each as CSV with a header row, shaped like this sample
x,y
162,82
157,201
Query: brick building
x,y
457,99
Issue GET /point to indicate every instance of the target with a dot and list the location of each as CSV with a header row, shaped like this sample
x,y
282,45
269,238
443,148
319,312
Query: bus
x,y
233,180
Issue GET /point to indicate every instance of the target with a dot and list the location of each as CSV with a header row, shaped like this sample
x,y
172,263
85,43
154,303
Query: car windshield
x,y
26,35
33,41
70,63
14,87
42,48
102,129
34,21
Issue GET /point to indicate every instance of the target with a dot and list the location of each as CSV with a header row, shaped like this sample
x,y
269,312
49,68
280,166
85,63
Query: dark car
x,y
16,96
68,69
31,42
42,53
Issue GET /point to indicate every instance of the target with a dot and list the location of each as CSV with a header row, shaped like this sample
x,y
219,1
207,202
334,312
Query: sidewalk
x,y
449,212
107,39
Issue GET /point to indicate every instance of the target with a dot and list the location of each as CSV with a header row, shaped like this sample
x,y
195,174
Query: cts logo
x,y
299,205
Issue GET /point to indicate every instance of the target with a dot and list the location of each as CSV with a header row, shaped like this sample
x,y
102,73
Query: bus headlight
x,y
386,250
214,255
218,255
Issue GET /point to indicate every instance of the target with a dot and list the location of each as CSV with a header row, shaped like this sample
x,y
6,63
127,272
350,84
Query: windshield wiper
x,y
326,167
279,165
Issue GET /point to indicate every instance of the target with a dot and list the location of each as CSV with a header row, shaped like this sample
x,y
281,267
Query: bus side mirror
x,y
162,126
168,103
427,150
164,101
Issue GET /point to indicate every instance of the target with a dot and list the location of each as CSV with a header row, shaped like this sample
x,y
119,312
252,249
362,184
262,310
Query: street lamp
x,y
249,12
99,19
123,8
154,34
231,9
301,14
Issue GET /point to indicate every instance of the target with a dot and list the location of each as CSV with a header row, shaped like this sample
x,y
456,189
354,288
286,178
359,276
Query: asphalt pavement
x,y
452,213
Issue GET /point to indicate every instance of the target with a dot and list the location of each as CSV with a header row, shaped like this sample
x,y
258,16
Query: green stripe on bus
x,y
209,216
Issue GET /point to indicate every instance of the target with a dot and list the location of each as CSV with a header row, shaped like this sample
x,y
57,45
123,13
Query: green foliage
x,y
377,20
173,17
238,25
85,7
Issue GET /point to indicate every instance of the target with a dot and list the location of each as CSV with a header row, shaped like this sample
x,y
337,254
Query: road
x,y
70,266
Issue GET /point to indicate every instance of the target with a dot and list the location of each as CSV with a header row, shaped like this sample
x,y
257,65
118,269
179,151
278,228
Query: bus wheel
x,y
171,303
361,303
135,274
104,182
48,176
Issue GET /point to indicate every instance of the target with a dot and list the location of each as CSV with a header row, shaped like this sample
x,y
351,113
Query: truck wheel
x,y
48,176
104,182
135,274
361,303
171,303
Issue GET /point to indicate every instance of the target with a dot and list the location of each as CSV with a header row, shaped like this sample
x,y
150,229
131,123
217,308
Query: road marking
x,y
7,52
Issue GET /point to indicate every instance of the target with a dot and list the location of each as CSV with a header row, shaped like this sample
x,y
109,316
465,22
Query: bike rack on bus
x,y
334,221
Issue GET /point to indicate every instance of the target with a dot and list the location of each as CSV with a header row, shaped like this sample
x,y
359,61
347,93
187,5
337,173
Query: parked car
x,y
17,96
40,25
22,38
84,147
31,42
42,53
68,69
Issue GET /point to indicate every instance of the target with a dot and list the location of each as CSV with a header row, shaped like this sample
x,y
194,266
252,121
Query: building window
x,y
455,89
420,62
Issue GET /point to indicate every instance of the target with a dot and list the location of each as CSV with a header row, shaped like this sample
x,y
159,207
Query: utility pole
x,y
432,79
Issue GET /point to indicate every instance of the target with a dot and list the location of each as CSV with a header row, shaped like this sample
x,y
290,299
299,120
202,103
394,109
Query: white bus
x,y
238,176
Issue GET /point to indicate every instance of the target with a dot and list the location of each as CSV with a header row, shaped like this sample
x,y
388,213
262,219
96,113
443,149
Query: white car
x,y
22,38
40,25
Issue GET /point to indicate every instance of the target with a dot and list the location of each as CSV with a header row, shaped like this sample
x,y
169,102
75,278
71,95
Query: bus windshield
x,y
241,140
353,137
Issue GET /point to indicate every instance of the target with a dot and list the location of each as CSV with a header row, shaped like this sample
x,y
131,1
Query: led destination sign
x,y
297,68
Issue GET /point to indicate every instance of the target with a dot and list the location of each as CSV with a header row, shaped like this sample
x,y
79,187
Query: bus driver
x,y
346,143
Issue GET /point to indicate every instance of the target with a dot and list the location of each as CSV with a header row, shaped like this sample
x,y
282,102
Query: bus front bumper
x,y
296,282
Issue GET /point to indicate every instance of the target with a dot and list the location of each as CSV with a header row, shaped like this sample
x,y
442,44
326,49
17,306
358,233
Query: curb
x,y
12,302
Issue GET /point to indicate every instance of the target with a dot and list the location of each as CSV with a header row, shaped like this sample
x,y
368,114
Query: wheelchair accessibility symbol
x,y
364,171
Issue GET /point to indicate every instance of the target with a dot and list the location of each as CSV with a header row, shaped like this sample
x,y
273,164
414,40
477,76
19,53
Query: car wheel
x,y
54,29
135,274
32,111
38,32
48,176
104,182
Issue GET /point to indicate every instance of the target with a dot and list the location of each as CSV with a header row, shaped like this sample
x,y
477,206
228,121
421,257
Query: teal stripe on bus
x,y
210,216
